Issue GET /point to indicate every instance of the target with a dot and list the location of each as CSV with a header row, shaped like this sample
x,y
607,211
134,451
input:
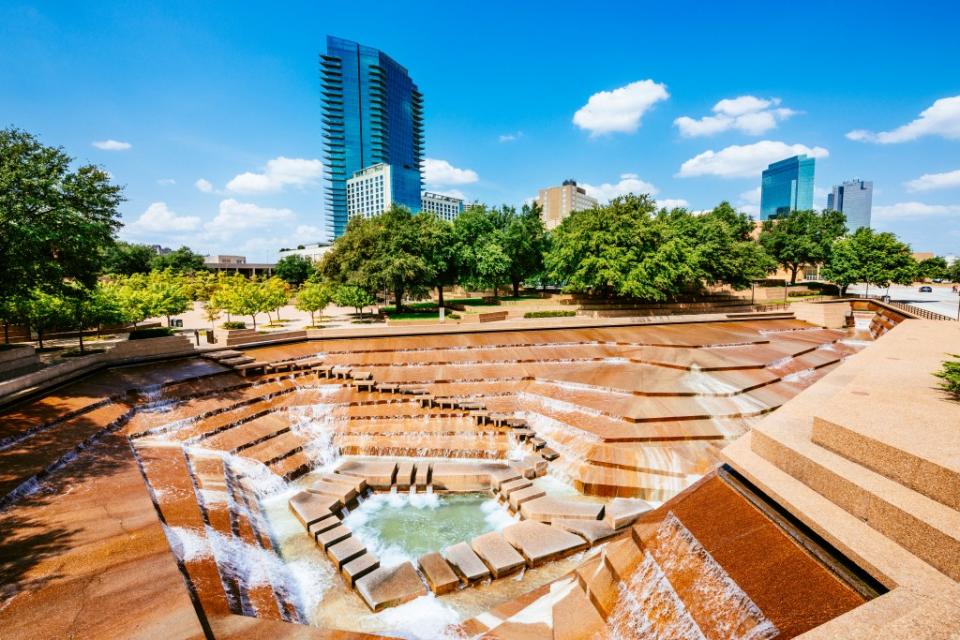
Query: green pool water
x,y
402,526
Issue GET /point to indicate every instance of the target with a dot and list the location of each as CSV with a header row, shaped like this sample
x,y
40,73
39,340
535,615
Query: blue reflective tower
x,y
787,186
372,113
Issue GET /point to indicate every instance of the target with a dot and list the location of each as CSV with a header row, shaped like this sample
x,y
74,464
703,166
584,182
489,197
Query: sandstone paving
x,y
466,563
498,554
438,573
540,542
547,508
388,587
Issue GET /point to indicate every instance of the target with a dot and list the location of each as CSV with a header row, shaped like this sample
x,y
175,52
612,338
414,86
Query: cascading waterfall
x,y
680,591
315,423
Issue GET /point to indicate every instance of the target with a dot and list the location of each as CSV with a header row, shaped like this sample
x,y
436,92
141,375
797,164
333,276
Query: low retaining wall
x,y
18,358
832,315
489,316
237,337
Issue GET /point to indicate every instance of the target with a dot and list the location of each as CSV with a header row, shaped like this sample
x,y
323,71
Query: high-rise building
x,y
854,199
370,191
372,114
787,186
559,202
446,207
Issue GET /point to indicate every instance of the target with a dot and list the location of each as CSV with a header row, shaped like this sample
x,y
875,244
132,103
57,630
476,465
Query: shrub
x,y
549,314
234,324
951,376
152,332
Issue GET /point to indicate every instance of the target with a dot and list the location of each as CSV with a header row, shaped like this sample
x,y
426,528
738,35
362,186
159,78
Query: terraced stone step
x,y
310,507
359,567
540,543
385,587
438,573
466,563
498,554
546,508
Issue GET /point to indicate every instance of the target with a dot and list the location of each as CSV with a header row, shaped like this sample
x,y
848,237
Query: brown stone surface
x,y
311,507
593,531
575,618
323,524
466,563
359,567
405,475
548,508
378,474
344,551
440,576
622,511
383,588
540,542
520,496
332,536
507,488
497,554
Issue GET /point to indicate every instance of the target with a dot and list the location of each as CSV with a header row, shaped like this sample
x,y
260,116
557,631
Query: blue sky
x,y
165,95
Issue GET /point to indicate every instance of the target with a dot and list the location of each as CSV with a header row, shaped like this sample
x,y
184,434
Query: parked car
x,y
926,289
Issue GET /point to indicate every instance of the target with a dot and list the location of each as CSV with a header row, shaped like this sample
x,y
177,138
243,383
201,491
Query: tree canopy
x,y
876,258
294,269
802,237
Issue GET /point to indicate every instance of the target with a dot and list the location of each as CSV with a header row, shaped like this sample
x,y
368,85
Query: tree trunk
x,y
81,341
312,321
277,311
40,338
398,296
439,295
254,316
6,332
516,288
793,274
495,286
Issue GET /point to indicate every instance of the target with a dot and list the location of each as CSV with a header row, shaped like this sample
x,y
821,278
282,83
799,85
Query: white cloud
x,y
751,197
629,183
748,114
204,185
309,233
278,173
910,210
166,182
159,219
440,172
238,216
672,203
112,145
942,118
453,193
510,137
929,181
742,161
619,110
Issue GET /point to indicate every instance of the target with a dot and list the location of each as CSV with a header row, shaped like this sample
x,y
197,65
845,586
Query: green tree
x,y
727,253
353,296
45,311
181,260
439,251
524,243
802,238
876,258
480,237
932,268
125,258
313,297
276,293
244,297
212,310
92,308
385,252
166,294
54,222
294,269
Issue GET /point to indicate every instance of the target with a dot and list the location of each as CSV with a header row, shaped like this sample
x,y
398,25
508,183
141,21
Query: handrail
x,y
919,312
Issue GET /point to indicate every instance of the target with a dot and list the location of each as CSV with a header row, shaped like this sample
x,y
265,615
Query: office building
x,y
855,200
787,186
446,207
559,202
313,251
372,114
370,191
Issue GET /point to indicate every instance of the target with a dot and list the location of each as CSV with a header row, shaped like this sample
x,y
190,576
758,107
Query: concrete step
x,y
926,527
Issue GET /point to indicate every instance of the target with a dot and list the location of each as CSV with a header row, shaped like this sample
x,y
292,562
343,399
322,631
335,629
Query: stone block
x,y
541,543
405,473
514,485
422,478
323,524
344,551
359,567
438,572
310,507
379,474
466,563
517,498
330,537
593,531
621,512
497,554
548,508
384,587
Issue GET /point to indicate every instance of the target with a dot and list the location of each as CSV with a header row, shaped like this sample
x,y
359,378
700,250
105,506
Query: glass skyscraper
x,y
372,114
855,199
787,186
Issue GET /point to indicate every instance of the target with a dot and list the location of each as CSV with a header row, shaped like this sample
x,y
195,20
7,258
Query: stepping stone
x,y
223,355
497,554
310,507
623,511
593,531
361,375
405,472
236,360
466,563
345,551
383,588
549,454
547,508
541,543
378,474
342,492
351,486
499,478
324,524
330,537
525,434
440,576
517,423
359,567
514,485
517,498
423,475
538,443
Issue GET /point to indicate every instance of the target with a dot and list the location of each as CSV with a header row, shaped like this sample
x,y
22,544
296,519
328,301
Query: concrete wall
x,y
18,357
832,315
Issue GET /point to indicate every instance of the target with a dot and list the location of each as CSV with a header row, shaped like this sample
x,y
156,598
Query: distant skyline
x,y
210,115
